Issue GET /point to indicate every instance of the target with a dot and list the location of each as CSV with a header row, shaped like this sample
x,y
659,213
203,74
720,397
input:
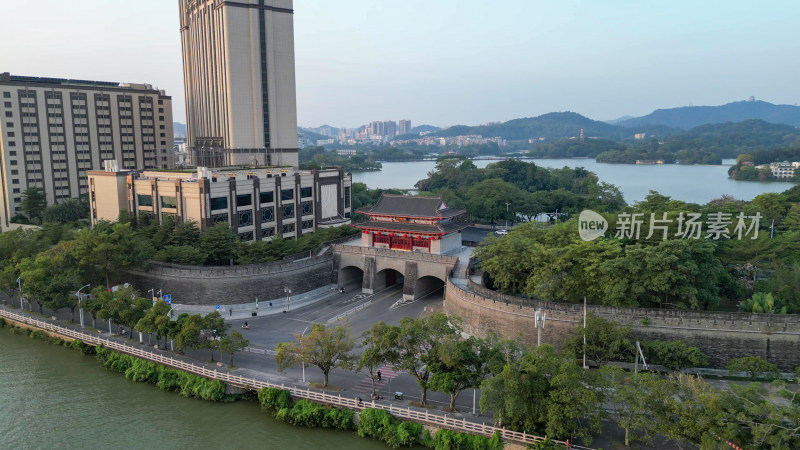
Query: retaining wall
x,y
228,285
720,335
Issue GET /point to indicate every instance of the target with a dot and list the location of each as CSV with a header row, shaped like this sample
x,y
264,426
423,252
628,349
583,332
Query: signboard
x,y
217,307
167,298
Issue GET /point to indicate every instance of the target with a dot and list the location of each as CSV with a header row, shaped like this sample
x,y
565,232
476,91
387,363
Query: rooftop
x,y
413,206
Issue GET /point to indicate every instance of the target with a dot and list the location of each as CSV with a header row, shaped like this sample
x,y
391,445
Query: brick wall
x,y
234,284
720,335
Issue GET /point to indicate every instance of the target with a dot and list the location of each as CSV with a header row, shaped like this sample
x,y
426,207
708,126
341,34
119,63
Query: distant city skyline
x,y
449,62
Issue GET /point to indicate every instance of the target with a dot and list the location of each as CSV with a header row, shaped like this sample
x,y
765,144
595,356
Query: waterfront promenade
x,y
255,380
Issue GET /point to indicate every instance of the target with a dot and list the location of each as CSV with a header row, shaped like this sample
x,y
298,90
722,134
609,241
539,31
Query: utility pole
x,y
584,332
539,319
507,203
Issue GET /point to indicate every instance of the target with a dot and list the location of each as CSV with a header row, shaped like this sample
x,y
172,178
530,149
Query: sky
x,y
448,62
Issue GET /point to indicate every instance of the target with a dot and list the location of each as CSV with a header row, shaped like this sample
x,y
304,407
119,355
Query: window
x,y
305,192
288,211
8,114
15,172
266,197
267,214
6,94
267,232
347,197
246,236
219,203
16,190
168,201
7,104
10,134
10,124
287,194
144,200
307,208
14,181
244,200
12,144
287,228
219,218
246,218
308,224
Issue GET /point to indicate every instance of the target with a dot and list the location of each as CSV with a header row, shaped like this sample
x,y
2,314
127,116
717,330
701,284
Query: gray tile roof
x,y
413,206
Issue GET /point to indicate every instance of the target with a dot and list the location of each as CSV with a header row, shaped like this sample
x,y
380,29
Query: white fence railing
x,y
407,413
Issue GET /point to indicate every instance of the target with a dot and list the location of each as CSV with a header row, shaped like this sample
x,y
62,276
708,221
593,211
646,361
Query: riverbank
x,y
254,381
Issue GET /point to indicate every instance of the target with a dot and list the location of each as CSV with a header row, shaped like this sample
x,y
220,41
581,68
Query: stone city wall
x,y
720,335
230,285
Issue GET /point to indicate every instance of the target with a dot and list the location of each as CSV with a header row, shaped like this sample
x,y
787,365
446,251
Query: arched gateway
x,y
403,241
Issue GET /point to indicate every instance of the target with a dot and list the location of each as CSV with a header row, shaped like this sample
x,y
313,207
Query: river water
x,y
695,184
56,398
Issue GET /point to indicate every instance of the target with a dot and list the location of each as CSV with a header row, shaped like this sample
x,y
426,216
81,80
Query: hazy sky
x,y
446,62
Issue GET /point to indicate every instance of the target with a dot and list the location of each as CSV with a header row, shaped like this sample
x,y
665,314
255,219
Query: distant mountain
x,y
618,120
424,128
309,134
556,125
179,129
692,116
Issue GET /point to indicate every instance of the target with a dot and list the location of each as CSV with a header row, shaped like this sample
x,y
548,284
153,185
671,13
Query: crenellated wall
x,y
720,335
230,285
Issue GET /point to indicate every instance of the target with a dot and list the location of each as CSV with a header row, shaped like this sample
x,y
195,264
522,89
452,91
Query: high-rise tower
x,y
238,67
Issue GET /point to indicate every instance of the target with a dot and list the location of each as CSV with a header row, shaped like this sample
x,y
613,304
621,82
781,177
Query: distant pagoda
x,y
412,223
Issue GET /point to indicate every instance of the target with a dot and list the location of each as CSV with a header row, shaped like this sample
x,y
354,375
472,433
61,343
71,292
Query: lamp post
x,y
19,281
507,203
152,294
288,296
304,361
80,301
539,323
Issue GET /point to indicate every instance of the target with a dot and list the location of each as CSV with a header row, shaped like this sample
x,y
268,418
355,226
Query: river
x,y
54,397
695,184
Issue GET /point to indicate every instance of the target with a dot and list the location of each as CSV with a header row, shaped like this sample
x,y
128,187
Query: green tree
x,y
233,344
630,398
460,365
326,348
378,348
754,366
418,342
156,320
34,203
216,328
219,243
605,341
674,355
189,333
106,250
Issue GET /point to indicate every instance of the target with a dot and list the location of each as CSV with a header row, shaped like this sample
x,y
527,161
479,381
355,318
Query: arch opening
x,y
350,277
429,288
388,278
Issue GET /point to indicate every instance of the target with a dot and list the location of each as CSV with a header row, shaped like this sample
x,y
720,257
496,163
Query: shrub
x,y
273,399
451,440
754,366
674,355
142,371
379,424
169,379
83,347
2,322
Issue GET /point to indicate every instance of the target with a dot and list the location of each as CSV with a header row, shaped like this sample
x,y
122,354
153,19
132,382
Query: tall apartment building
x,y
390,128
239,76
403,126
53,130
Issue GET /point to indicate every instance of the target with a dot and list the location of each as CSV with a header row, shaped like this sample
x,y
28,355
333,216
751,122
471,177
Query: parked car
x,y
501,232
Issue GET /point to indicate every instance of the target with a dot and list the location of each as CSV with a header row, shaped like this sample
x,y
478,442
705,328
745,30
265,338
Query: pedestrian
x,y
379,375
230,312
270,304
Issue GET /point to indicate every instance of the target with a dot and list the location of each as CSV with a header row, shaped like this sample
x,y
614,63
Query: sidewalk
x,y
263,308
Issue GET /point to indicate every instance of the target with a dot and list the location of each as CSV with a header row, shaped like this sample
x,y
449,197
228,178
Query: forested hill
x,y
556,125
692,116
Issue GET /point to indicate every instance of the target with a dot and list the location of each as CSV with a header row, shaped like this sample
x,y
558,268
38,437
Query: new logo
x,y
591,225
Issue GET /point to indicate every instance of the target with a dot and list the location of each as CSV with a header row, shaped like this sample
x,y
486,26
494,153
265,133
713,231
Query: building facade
x,y
239,77
413,224
54,130
404,126
258,203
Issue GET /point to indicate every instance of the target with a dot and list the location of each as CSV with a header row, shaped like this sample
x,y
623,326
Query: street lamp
x,y
507,203
288,296
539,323
19,281
152,294
304,360
80,301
